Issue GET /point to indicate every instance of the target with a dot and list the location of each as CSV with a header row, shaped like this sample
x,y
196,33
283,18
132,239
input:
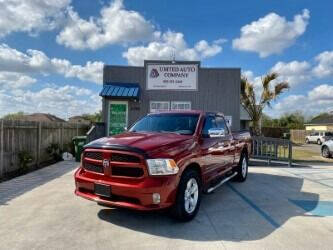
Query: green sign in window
x,y
117,118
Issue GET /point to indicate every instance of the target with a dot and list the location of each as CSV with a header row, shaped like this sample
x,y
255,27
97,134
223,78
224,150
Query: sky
x,y
52,52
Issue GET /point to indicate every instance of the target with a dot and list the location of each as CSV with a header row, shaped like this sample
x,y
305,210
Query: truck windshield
x,y
184,124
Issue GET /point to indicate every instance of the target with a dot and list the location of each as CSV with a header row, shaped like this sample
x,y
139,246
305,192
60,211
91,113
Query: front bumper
x,y
133,193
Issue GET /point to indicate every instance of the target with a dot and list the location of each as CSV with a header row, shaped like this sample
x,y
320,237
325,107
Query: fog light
x,y
156,198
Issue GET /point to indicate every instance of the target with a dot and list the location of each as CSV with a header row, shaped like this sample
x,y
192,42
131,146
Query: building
x,y
78,119
321,123
131,92
41,117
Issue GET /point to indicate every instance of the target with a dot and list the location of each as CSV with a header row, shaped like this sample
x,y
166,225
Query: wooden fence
x,y
33,137
298,135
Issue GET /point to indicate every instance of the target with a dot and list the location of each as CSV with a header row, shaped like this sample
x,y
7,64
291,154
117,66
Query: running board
x,y
221,183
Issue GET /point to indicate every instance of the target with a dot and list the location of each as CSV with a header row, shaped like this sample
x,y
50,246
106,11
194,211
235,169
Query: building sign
x,y
117,118
228,120
172,76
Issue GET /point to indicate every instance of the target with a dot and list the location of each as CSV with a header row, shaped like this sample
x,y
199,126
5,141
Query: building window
x,y
180,105
158,106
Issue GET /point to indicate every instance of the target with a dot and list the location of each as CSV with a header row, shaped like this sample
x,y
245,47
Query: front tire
x,y
188,196
319,142
325,152
242,168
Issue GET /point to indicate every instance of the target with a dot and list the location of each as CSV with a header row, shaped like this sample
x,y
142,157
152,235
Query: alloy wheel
x,y
191,195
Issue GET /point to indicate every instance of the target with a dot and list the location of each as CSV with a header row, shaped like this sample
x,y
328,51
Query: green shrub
x,y
54,151
25,158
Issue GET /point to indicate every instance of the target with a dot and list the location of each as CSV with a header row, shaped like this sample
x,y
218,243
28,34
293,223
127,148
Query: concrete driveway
x,y
276,208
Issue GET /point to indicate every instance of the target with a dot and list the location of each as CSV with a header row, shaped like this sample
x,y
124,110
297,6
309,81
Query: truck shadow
x,y
235,212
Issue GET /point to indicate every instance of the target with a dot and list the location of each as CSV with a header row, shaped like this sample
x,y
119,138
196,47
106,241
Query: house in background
x,y
321,123
41,117
78,119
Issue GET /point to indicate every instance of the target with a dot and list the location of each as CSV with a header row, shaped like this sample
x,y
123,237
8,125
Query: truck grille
x,y
122,164
126,171
93,168
124,158
94,155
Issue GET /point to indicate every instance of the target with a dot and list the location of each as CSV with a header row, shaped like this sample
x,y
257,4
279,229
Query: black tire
x,y
178,210
307,141
241,177
319,142
325,152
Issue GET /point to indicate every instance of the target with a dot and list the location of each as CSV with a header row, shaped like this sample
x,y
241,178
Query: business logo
x,y
154,73
106,163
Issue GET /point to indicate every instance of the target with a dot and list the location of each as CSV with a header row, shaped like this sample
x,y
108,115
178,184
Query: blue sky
x,y
51,54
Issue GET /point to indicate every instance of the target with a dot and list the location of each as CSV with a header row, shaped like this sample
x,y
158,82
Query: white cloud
x,y
294,72
116,25
271,34
325,64
12,80
30,15
168,43
62,101
35,61
316,101
321,93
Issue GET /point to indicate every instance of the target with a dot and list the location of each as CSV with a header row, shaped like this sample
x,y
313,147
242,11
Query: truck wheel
x,y
325,152
307,141
242,168
319,142
188,196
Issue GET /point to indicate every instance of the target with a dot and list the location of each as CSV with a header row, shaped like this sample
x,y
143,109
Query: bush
x,y
25,158
54,151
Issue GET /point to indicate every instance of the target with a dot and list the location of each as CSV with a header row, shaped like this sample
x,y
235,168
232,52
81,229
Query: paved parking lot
x,y
276,208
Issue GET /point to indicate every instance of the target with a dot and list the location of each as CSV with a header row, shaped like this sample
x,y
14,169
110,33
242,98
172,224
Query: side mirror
x,y
216,132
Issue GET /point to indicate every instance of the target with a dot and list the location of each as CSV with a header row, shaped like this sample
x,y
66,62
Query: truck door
x,y
210,151
227,143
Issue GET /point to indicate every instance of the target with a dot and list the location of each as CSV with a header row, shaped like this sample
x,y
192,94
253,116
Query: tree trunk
x,y
256,128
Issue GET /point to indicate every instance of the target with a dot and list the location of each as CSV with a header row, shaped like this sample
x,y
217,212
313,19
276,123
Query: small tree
x,y
14,116
249,100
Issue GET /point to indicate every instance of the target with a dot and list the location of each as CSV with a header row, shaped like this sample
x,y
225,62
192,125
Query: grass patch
x,y
300,154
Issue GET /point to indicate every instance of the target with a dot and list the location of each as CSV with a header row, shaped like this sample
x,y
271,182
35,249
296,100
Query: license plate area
x,y
102,190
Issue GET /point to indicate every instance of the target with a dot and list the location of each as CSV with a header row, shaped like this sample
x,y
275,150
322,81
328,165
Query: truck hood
x,y
144,141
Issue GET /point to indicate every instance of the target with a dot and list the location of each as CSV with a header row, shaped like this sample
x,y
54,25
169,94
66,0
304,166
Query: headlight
x,y
162,167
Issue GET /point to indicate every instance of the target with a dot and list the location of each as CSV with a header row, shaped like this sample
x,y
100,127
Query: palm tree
x,y
269,94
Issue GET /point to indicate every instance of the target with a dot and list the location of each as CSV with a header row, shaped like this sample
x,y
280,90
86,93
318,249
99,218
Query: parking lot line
x,y
267,217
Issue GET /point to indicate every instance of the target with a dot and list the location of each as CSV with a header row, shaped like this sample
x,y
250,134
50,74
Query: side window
x,y
316,133
220,123
209,124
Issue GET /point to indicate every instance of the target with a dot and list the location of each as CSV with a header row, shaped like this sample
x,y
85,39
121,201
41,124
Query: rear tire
x,y
242,168
319,142
325,152
188,196
307,141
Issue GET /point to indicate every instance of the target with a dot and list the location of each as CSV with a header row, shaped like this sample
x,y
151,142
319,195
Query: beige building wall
x,y
319,127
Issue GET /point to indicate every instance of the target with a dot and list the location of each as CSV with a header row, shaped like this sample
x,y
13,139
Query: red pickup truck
x,y
165,160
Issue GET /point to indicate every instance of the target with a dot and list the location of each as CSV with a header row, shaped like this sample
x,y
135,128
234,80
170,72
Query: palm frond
x,y
268,78
280,88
